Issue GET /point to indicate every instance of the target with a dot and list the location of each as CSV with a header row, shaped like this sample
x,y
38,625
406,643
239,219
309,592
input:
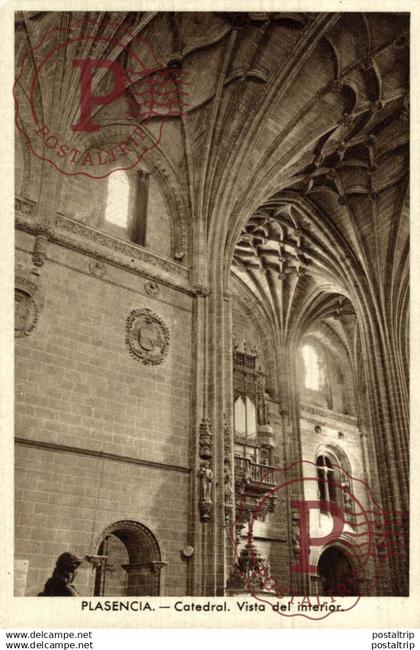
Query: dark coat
x,y
58,586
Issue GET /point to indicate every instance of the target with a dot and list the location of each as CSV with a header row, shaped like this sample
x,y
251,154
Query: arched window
x,y
326,479
118,200
245,418
334,482
246,428
314,368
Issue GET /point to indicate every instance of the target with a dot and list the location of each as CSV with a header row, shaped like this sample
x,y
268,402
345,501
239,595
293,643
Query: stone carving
x,y
251,571
316,410
295,533
106,241
264,456
347,499
147,336
152,289
43,233
228,483
205,475
28,305
226,437
24,205
97,268
205,440
245,348
39,255
205,451
148,539
201,290
228,479
26,314
260,398
103,247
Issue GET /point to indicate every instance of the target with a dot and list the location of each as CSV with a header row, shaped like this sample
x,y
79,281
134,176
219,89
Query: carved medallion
x,y
152,289
97,268
28,302
26,313
147,336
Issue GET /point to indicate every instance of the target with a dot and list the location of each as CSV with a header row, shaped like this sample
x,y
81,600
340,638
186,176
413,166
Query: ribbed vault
x,y
280,142
313,100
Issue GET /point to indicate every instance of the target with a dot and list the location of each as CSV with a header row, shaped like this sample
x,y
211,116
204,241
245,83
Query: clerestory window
x,y
126,205
314,368
326,479
246,428
118,200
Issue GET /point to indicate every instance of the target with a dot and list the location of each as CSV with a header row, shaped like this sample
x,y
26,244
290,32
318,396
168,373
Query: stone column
x,y
143,578
388,446
201,448
290,410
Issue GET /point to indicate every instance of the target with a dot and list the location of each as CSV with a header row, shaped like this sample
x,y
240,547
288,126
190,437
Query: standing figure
x,y
206,481
60,583
206,476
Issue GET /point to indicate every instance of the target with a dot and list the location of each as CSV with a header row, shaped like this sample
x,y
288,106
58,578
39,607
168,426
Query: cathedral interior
x,y
211,302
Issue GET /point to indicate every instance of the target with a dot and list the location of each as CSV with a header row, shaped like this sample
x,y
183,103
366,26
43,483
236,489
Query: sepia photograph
x,y
211,309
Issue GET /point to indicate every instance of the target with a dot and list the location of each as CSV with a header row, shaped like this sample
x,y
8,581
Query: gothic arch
x,y
347,548
337,452
141,552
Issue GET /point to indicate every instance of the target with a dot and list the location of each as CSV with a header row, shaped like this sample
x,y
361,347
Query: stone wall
x,y
102,436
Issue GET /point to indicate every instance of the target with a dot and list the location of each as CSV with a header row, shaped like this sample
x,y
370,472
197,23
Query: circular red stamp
x,y
92,99
340,539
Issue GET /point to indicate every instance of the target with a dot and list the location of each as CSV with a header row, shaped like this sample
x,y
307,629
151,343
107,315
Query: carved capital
x,y
201,290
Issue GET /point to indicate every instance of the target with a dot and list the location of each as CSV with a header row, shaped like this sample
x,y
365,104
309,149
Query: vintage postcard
x,y
211,421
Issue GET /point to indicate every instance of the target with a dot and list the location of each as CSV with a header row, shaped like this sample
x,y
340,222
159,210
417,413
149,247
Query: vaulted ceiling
x,y
284,134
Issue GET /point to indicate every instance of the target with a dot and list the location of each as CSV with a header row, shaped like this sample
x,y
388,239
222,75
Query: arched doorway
x,y
336,574
129,561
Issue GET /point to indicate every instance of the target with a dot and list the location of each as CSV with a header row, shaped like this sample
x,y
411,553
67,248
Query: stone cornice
x,y
100,239
77,236
40,444
329,415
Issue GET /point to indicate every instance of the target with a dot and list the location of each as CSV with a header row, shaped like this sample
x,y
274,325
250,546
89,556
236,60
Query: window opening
x,y
326,479
117,202
314,368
